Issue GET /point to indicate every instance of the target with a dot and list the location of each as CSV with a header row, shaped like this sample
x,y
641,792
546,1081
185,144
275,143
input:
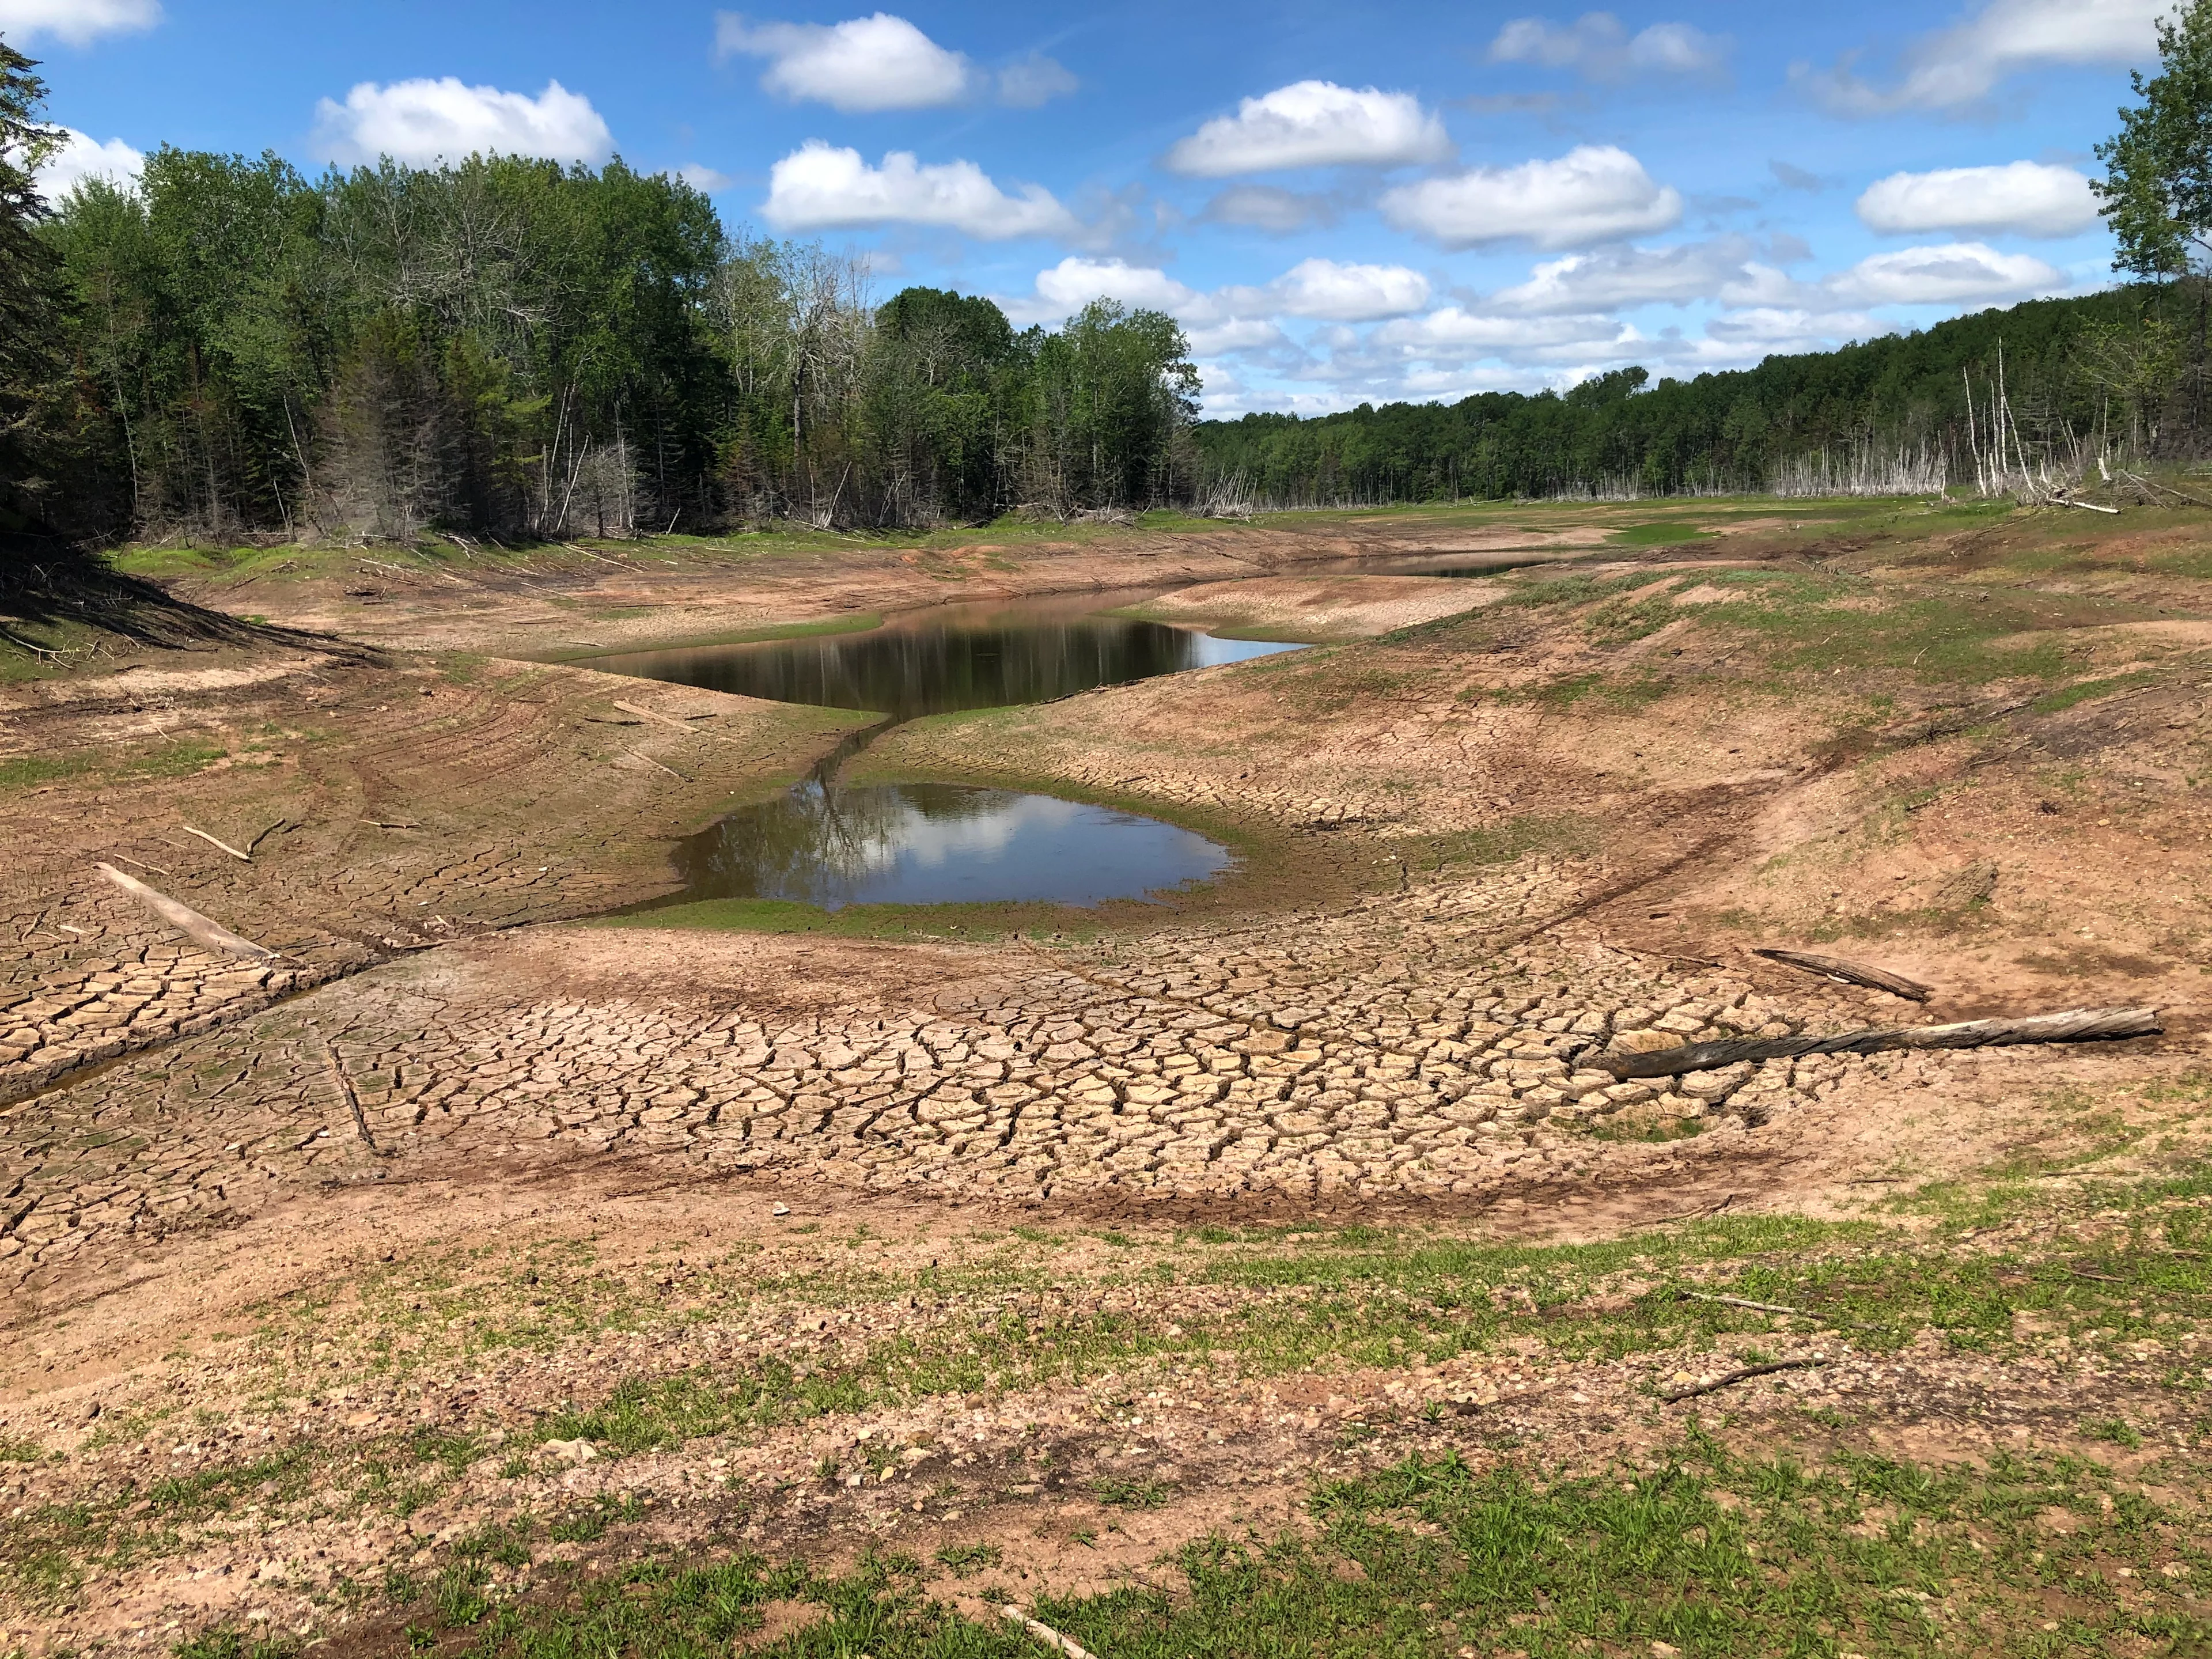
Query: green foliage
x,y
37,412
507,346
2157,194
965,1560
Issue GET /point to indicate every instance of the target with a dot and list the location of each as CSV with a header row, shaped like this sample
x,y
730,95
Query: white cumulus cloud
x,y
1953,274
421,122
1073,283
1335,293
1960,66
81,156
2027,196
1314,123
821,187
861,65
1617,276
1597,47
1776,328
1455,333
1237,318
78,22
1595,193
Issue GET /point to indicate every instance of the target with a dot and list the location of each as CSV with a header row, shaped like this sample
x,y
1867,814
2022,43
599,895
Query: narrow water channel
x,y
827,844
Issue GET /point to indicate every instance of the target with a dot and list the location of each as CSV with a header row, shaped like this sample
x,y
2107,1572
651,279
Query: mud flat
x,y
498,1269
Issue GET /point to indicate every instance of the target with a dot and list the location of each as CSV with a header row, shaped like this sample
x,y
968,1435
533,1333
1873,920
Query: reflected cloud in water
x,y
940,843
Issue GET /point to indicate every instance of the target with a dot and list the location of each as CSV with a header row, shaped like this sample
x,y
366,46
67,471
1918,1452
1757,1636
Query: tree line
x,y
511,347
2124,369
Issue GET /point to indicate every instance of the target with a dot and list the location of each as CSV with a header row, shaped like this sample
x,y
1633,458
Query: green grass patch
x,y
1658,532
176,760
1710,1553
47,1551
28,771
2053,702
966,1561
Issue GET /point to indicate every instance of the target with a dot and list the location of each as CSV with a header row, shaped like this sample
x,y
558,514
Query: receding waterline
x,y
825,844
940,843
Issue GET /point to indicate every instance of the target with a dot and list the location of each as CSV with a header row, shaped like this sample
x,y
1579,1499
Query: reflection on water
x,y
951,657
940,843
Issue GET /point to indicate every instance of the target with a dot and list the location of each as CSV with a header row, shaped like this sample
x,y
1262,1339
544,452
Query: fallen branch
x,y
2075,1025
337,1071
243,858
2166,489
601,557
1729,1379
281,824
1767,1307
1046,1634
202,930
669,720
649,760
1851,973
1714,1208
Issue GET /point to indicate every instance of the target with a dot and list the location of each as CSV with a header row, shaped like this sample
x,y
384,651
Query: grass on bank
x,y
1698,1550
174,760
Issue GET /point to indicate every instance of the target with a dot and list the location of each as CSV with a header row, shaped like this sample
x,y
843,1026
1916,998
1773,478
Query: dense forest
x,y
509,347
2117,372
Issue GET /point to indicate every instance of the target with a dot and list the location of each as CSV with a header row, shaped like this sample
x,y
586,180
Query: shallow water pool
x,y
940,843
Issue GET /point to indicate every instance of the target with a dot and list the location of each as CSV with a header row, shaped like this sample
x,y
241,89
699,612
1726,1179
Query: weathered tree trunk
x,y
2075,1025
1851,973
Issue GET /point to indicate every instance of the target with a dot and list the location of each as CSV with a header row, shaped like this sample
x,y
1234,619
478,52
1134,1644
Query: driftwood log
x,y
2075,1025
201,930
1045,1633
1851,973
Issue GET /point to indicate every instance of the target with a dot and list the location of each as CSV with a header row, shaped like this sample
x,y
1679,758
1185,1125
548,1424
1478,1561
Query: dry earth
x,y
1038,1257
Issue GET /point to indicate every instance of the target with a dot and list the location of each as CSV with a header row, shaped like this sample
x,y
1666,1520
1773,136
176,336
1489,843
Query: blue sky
x,y
1342,203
